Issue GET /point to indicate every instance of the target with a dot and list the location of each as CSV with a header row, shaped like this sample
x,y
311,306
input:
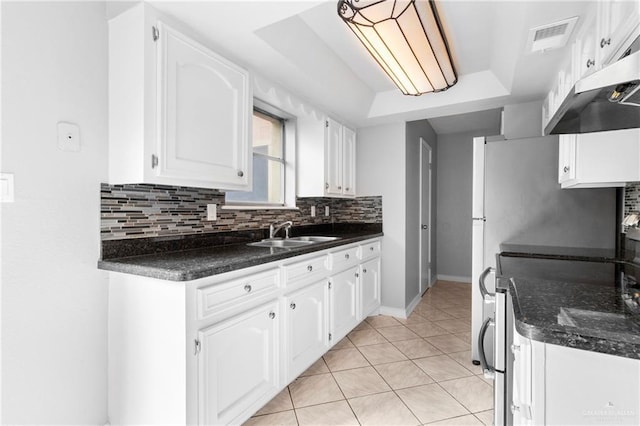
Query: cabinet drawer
x,y
344,259
369,250
219,298
313,268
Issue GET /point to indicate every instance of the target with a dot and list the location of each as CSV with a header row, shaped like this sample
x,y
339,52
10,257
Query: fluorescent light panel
x,y
406,40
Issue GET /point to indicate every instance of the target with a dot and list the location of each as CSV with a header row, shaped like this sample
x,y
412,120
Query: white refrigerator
x,y
517,199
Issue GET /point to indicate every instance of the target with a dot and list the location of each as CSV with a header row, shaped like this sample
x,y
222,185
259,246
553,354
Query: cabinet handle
x,y
154,161
309,268
590,63
566,169
247,288
272,315
326,185
346,256
240,173
292,306
604,42
155,33
364,271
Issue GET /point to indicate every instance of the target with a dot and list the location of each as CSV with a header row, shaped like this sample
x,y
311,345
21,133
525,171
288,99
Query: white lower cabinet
x,y
369,287
343,302
215,350
557,385
306,323
238,365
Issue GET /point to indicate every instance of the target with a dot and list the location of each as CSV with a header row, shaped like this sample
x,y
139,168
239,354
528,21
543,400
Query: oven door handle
x,y
486,296
489,372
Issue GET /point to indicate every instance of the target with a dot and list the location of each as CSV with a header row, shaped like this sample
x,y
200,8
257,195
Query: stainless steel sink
x,y
292,242
315,239
280,243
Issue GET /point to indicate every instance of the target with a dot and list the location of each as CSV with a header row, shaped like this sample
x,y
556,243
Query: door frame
x,y
425,149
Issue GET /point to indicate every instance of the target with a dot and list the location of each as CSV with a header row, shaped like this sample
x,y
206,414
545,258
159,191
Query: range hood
x,y
608,99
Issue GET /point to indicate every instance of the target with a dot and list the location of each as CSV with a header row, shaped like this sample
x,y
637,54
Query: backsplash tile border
x,y
145,210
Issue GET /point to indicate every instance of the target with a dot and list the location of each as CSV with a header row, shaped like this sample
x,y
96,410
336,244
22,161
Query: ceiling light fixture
x,y
406,39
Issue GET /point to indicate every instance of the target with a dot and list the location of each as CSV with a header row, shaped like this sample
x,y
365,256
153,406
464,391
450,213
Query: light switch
x,y
68,136
212,212
6,187
313,211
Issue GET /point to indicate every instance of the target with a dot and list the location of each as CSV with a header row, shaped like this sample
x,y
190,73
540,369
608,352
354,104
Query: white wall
x,y
381,171
54,300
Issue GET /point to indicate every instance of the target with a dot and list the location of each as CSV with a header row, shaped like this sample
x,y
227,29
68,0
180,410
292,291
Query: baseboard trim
x,y
393,312
433,281
412,305
454,278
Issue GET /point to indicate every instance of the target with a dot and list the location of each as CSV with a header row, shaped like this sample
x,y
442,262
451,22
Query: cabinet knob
x,y
590,63
292,306
272,315
346,189
247,288
326,185
371,248
339,187
309,268
566,169
364,271
357,275
240,173
604,42
346,256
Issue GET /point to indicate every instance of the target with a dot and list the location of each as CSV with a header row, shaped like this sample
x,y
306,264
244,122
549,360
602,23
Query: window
x,y
268,163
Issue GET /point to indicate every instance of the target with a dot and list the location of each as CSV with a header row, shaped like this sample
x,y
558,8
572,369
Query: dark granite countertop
x,y
553,252
572,303
191,264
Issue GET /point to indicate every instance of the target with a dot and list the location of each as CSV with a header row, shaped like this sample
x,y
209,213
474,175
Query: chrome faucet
x,y
274,228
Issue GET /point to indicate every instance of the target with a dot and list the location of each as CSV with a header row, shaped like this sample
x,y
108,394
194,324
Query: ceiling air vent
x,y
550,36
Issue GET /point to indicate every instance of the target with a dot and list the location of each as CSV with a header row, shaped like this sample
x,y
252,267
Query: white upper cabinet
x,y
618,21
179,114
326,160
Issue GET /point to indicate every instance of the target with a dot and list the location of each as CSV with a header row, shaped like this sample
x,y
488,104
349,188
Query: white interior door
x,y
425,215
477,240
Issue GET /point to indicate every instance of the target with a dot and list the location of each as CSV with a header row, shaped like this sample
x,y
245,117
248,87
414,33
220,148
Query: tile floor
x,y
390,371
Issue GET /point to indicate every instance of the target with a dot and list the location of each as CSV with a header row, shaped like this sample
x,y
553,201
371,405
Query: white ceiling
x,y
304,46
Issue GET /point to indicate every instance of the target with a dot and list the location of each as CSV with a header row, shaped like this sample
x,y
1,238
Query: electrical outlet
x,y
326,210
212,212
68,137
313,211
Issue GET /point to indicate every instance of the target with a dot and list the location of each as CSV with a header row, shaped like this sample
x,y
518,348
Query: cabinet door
x,y
522,380
618,21
566,158
333,158
369,287
238,366
307,335
348,162
205,110
586,49
343,296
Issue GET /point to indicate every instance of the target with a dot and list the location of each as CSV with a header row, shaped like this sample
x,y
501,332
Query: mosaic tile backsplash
x,y
632,198
142,211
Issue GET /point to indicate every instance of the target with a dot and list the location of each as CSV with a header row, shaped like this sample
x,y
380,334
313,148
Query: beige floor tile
x,y
454,325
468,420
433,314
417,348
448,343
382,409
486,417
471,392
414,318
281,402
333,413
488,381
431,403
442,367
382,353
466,337
344,359
394,334
363,326
459,312
284,418
403,374
314,390
318,367
380,321
343,344
366,337
464,358
360,382
427,329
